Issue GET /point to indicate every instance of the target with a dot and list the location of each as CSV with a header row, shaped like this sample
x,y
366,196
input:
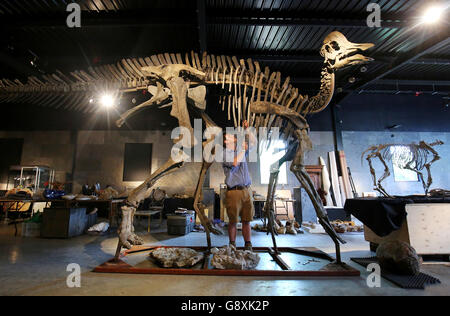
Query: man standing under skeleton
x,y
239,197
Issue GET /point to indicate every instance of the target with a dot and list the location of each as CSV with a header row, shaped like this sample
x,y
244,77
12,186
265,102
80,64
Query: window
x,y
269,156
401,155
137,163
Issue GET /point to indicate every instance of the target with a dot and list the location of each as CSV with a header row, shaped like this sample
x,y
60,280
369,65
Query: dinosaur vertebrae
x,y
242,81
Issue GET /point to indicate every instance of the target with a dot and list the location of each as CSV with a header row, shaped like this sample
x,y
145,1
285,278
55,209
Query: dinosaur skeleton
x,y
249,93
414,157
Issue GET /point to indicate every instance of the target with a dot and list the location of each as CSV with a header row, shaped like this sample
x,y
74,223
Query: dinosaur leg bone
x,y
372,172
304,180
199,208
386,174
269,212
436,157
420,174
299,170
127,237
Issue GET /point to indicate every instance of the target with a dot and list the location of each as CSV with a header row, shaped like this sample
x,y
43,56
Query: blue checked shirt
x,y
235,175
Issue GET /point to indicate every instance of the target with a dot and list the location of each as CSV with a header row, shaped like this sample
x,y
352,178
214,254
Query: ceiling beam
x,y
174,16
436,42
128,18
303,17
201,17
408,82
315,58
399,82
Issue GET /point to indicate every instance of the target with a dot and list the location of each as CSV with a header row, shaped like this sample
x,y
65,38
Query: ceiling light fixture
x,y
432,15
107,101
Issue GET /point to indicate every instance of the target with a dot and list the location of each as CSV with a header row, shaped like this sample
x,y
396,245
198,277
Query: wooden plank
x,y
342,190
400,234
335,179
429,227
345,176
326,184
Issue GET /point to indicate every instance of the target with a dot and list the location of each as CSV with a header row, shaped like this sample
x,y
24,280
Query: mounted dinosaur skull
x,y
339,52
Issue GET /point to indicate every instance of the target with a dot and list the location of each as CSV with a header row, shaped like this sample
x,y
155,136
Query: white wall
x,y
100,157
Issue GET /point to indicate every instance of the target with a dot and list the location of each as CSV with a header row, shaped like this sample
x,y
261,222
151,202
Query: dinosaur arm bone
x,y
158,97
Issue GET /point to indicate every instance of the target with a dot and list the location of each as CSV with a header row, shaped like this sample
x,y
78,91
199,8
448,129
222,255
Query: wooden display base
x,y
289,262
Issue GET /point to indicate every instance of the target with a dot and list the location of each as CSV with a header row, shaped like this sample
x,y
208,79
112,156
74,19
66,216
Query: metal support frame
x,y
337,128
332,269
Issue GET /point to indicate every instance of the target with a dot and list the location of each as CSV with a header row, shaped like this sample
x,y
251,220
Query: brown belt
x,y
238,187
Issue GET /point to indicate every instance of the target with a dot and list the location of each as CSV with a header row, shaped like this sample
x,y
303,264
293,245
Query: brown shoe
x,y
248,246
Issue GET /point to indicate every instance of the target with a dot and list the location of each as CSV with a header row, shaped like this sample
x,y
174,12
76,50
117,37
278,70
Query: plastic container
x,y
180,224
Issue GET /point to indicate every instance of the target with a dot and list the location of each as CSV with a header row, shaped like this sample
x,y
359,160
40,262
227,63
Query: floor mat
x,y
404,281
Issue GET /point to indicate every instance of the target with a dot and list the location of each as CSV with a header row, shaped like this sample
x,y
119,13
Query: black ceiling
x,y
285,35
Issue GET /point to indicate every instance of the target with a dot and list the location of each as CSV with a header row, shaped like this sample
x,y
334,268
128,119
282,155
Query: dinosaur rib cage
x,y
404,154
243,81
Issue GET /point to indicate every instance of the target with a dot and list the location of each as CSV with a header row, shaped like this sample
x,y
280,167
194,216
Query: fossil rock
x,y
228,257
398,257
291,227
177,257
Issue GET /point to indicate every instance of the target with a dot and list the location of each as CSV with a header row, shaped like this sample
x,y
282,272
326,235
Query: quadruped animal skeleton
x,y
414,157
251,94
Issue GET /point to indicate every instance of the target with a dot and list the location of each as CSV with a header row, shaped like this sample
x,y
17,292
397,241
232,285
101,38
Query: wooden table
x,y
112,205
263,201
149,214
14,206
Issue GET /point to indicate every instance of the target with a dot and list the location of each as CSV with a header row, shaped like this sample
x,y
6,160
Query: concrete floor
x,y
34,266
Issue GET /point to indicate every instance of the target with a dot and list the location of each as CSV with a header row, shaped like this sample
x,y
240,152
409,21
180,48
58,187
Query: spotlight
x,y
107,101
432,15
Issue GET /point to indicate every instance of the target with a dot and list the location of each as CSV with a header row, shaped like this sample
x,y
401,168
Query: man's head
x,y
230,141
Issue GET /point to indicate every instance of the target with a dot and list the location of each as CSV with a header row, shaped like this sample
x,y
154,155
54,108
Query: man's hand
x,y
244,146
252,138
245,124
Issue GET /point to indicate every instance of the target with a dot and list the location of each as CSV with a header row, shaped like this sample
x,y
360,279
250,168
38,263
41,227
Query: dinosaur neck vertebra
x,y
321,100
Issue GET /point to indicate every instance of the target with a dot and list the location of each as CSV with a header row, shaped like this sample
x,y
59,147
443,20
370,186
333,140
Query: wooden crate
x,y
63,222
427,229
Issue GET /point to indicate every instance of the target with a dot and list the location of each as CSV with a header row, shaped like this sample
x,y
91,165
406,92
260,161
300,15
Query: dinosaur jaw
x,y
353,56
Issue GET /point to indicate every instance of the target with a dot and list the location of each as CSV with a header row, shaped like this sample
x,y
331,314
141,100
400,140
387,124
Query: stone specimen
x,y
291,227
228,257
398,257
177,257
